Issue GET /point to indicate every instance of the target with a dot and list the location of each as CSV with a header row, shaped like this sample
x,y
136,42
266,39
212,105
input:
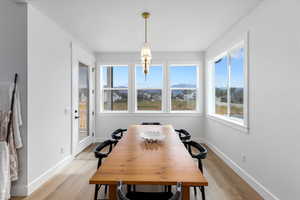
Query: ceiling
x,y
175,25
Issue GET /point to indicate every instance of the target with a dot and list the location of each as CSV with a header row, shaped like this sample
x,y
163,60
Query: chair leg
x,y
169,188
128,188
203,192
195,191
96,192
105,189
134,188
166,187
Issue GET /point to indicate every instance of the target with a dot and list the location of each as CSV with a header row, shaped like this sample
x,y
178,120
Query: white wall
x,y
107,123
272,144
13,58
49,97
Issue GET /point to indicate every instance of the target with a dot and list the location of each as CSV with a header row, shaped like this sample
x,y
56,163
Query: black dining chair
x,y
118,134
199,155
151,123
101,155
183,135
149,195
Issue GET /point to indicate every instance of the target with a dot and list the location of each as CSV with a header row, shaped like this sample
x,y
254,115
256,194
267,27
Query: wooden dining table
x,y
136,162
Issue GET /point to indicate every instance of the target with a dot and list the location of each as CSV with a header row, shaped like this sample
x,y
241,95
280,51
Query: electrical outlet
x,y
62,150
244,158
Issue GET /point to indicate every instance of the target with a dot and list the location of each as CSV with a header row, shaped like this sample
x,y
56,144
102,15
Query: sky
x,y
237,77
153,80
120,76
178,75
83,77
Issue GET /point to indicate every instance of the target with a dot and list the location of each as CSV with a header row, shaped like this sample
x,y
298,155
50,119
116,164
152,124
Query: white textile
x,y
5,101
8,154
4,172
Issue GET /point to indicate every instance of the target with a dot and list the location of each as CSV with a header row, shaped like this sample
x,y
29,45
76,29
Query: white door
x,y
82,100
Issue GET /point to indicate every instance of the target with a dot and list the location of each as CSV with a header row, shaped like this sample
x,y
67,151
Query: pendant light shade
x,y
146,58
146,50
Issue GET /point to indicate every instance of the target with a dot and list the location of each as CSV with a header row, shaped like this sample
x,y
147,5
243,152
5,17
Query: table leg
x,y
186,193
112,192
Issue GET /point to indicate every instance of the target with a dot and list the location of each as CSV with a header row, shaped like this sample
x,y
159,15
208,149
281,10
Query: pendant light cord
x,y
146,39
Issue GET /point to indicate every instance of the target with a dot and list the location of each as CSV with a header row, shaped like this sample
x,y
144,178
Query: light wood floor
x,y
72,182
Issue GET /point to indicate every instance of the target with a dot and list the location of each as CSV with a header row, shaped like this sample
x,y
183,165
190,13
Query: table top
x,y
133,161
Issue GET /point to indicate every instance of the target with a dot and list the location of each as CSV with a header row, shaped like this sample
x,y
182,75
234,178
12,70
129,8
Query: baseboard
x,y
35,184
258,187
97,140
199,140
19,191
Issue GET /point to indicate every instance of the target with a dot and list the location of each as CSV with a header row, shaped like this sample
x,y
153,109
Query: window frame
x,y
197,88
211,86
135,91
102,89
166,97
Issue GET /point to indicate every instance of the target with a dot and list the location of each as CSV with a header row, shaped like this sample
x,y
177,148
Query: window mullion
x,y
228,84
132,89
213,87
165,91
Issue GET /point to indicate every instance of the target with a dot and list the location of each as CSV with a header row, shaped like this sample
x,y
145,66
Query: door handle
x,y
77,117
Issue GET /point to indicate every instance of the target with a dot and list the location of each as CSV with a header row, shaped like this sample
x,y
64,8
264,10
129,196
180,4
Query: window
x,y
149,89
166,89
114,87
228,85
183,87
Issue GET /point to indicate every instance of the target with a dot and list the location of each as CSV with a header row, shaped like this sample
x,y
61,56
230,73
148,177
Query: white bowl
x,y
152,136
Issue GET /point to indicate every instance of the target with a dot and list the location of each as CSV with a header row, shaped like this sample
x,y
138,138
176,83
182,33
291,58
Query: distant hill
x,y
183,86
149,91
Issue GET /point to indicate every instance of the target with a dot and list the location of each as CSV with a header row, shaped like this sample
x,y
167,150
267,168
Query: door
x,y
82,100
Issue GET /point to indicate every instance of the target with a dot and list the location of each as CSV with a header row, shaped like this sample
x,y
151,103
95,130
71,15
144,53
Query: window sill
x,y
150,114
229,122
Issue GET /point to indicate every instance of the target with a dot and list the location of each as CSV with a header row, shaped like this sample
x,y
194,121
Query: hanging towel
x,y
5,179
8,150
5,182
15,140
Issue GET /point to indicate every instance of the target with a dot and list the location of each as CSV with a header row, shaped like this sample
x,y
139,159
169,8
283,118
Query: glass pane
x,y
154,78
237,83
115,77
221,82
183,76
115,100
83,101
183,100
149,100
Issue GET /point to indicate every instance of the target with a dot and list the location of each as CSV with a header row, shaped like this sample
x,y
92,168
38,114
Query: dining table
x,y
135,161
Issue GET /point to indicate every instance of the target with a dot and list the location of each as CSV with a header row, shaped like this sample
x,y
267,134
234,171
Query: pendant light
x,y
146,51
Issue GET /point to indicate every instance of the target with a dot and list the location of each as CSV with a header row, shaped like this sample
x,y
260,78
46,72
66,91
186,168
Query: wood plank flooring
x,y
72,182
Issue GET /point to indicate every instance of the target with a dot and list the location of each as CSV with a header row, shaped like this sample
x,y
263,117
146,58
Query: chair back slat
x,y
118,134
202,150
151,123
183,135
103,145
